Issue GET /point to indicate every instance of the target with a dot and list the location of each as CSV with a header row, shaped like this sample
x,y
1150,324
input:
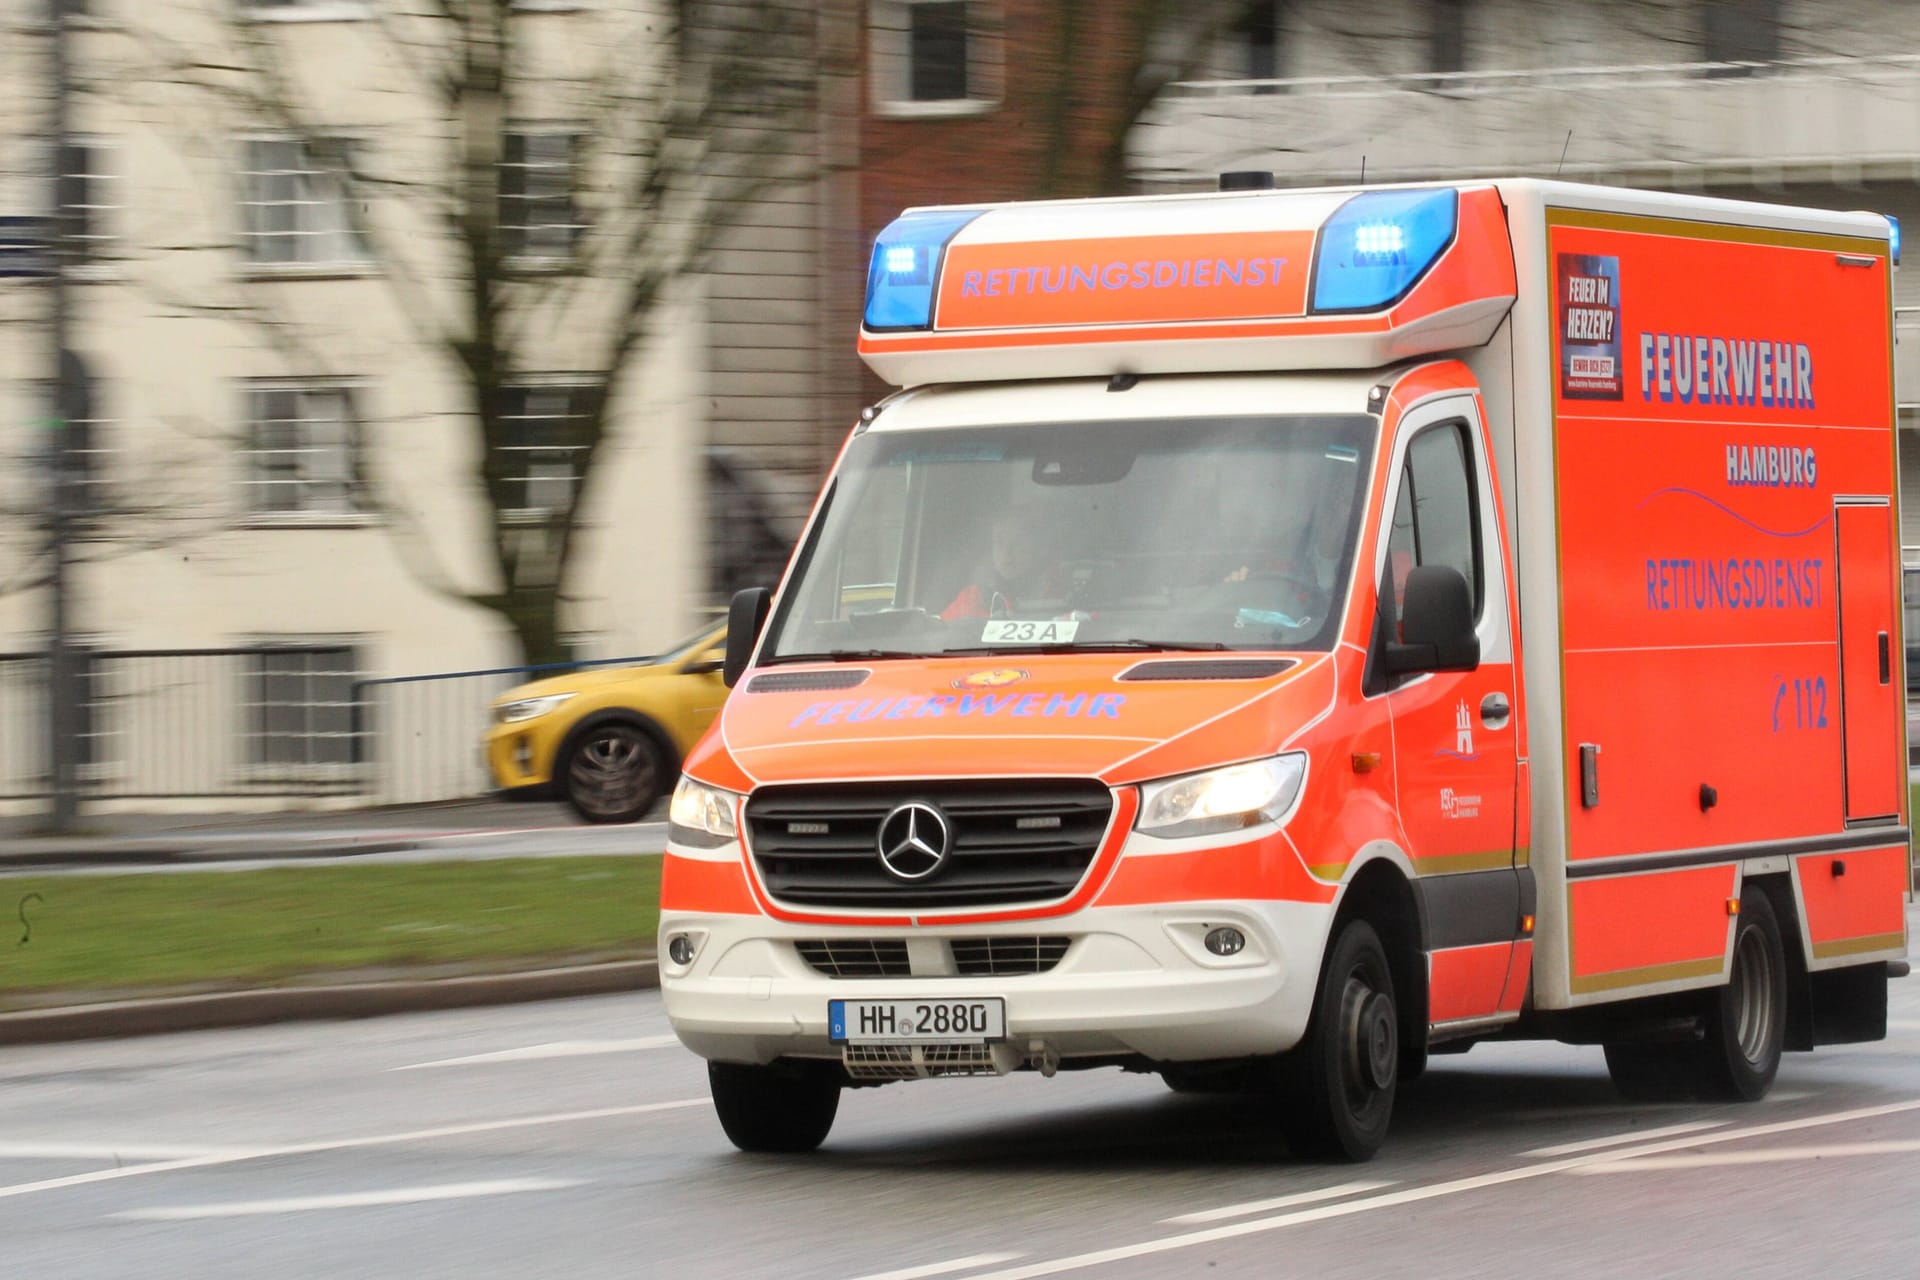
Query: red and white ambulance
x,y
1275,635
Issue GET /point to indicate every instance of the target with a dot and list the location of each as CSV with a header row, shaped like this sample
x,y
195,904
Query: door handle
x,y
1494,708
1886,659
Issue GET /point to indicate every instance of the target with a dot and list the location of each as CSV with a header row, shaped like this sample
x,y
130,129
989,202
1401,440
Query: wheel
x,y
1737,1054
612,772
786,1107
1339,1082
1747,1020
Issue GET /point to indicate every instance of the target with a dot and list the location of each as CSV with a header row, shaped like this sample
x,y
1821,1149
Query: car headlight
x,y
700,815
527,708
1240,795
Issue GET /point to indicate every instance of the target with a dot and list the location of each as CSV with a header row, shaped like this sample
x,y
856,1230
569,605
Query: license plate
x,y
916,1021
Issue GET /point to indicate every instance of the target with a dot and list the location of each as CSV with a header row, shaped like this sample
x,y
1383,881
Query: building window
x,y
543,427
303,446
1742,32
1257,38
1447,36
538,216
746,546
302,709
304,10
933,57
86,204
294,207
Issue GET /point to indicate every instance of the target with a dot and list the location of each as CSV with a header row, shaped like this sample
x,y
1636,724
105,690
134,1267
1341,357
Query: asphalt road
x,y
575,1139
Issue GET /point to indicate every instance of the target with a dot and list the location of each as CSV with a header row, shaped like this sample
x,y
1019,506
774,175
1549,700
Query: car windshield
x,y
1196,533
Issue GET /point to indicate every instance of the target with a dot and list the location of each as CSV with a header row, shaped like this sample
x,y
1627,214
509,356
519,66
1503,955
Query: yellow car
x,y
608,740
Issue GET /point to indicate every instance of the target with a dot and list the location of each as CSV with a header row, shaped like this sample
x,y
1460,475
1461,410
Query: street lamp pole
x,y
62,702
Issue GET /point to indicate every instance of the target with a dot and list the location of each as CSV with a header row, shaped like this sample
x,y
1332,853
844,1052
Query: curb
x,y
102,855
119,1018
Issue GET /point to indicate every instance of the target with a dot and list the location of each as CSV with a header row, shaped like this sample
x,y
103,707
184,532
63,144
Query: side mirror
x,y
745,616
1436,624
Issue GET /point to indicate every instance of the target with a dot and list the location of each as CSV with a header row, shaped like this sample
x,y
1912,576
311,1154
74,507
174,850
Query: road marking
x,y
349,1200
943,1268
1277,1202
1432,1191
28,1149
558,1049
1619,1139
339,1144
1771,1155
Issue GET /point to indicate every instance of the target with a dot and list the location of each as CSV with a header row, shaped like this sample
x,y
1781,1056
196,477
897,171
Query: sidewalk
x,y
147,840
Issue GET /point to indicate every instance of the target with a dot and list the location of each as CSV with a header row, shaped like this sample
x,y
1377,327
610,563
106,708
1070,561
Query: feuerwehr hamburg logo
x,y
914,841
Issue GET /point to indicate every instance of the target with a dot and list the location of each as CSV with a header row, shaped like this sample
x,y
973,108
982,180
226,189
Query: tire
x,y
612,772
1747,1019
786,1108
1339,1083
1737,1054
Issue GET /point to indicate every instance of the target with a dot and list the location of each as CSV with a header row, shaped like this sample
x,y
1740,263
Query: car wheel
x,y
1339,1082
787,1107
612,772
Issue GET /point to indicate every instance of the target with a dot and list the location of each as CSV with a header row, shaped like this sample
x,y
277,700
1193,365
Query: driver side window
x,y
1435,520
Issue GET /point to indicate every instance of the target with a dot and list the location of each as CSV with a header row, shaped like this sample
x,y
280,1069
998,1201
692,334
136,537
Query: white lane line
x,y
1621,1139
942,1268
1771,1155
349,1200
340,1144
1277,1202
1413,1195
29,1149
558,1049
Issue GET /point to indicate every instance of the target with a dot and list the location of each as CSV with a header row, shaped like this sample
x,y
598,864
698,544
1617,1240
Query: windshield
x,y
1198,533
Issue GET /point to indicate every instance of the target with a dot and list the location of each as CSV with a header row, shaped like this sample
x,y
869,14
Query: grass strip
x,y
233,929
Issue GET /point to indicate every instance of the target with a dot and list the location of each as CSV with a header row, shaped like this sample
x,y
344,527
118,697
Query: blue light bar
x,y
1893,225
906,266
1376,245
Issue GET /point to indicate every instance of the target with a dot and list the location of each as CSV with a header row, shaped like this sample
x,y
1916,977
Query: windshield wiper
x,y
846,655
1098,646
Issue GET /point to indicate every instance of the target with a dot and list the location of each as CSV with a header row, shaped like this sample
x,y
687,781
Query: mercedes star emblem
x,y
914,841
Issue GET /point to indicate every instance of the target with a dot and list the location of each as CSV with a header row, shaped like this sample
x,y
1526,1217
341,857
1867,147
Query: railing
x,y
277,721
428,730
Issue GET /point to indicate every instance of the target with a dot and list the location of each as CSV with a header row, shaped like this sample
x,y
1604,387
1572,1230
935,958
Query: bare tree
x,y
489,240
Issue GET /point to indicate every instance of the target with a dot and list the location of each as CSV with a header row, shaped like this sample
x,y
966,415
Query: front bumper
x,y
1135,980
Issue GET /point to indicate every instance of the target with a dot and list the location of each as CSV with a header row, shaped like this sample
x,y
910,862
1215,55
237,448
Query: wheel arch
x,y
1381,893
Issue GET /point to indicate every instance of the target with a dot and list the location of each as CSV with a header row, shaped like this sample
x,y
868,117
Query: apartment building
x,y
287,319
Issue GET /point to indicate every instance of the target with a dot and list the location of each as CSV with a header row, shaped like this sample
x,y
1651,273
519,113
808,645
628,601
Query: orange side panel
x,y
717,888
1518,970
1467,982
1867,900
1650,920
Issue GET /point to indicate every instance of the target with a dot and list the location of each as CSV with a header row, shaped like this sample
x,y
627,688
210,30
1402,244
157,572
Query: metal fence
x,y
268,721
428,730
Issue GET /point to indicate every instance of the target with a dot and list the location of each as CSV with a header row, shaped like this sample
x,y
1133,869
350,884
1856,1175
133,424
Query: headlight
x,y
700,815
1240,795
527,708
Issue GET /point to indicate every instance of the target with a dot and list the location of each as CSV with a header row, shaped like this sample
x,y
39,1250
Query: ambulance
x,y
1272,636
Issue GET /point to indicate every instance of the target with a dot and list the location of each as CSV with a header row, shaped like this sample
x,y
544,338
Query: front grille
x,y
997,957
989,957
1012,842
917,1061
857,957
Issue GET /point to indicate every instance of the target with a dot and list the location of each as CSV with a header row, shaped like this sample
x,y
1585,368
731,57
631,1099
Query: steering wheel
x,y
1304,592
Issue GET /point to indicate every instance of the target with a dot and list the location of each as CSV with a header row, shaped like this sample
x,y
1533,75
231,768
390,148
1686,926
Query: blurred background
x,y
362,358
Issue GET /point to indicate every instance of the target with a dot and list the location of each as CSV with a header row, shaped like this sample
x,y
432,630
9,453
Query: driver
x,y
1018,569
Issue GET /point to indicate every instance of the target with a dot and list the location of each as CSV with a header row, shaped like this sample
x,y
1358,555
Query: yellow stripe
x,y
1860,946
1693,229
1487,860
1583,985
1329,870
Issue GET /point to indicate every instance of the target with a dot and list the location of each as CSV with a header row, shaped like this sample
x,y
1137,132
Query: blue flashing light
x,y
1378,244
1893,238
906,267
